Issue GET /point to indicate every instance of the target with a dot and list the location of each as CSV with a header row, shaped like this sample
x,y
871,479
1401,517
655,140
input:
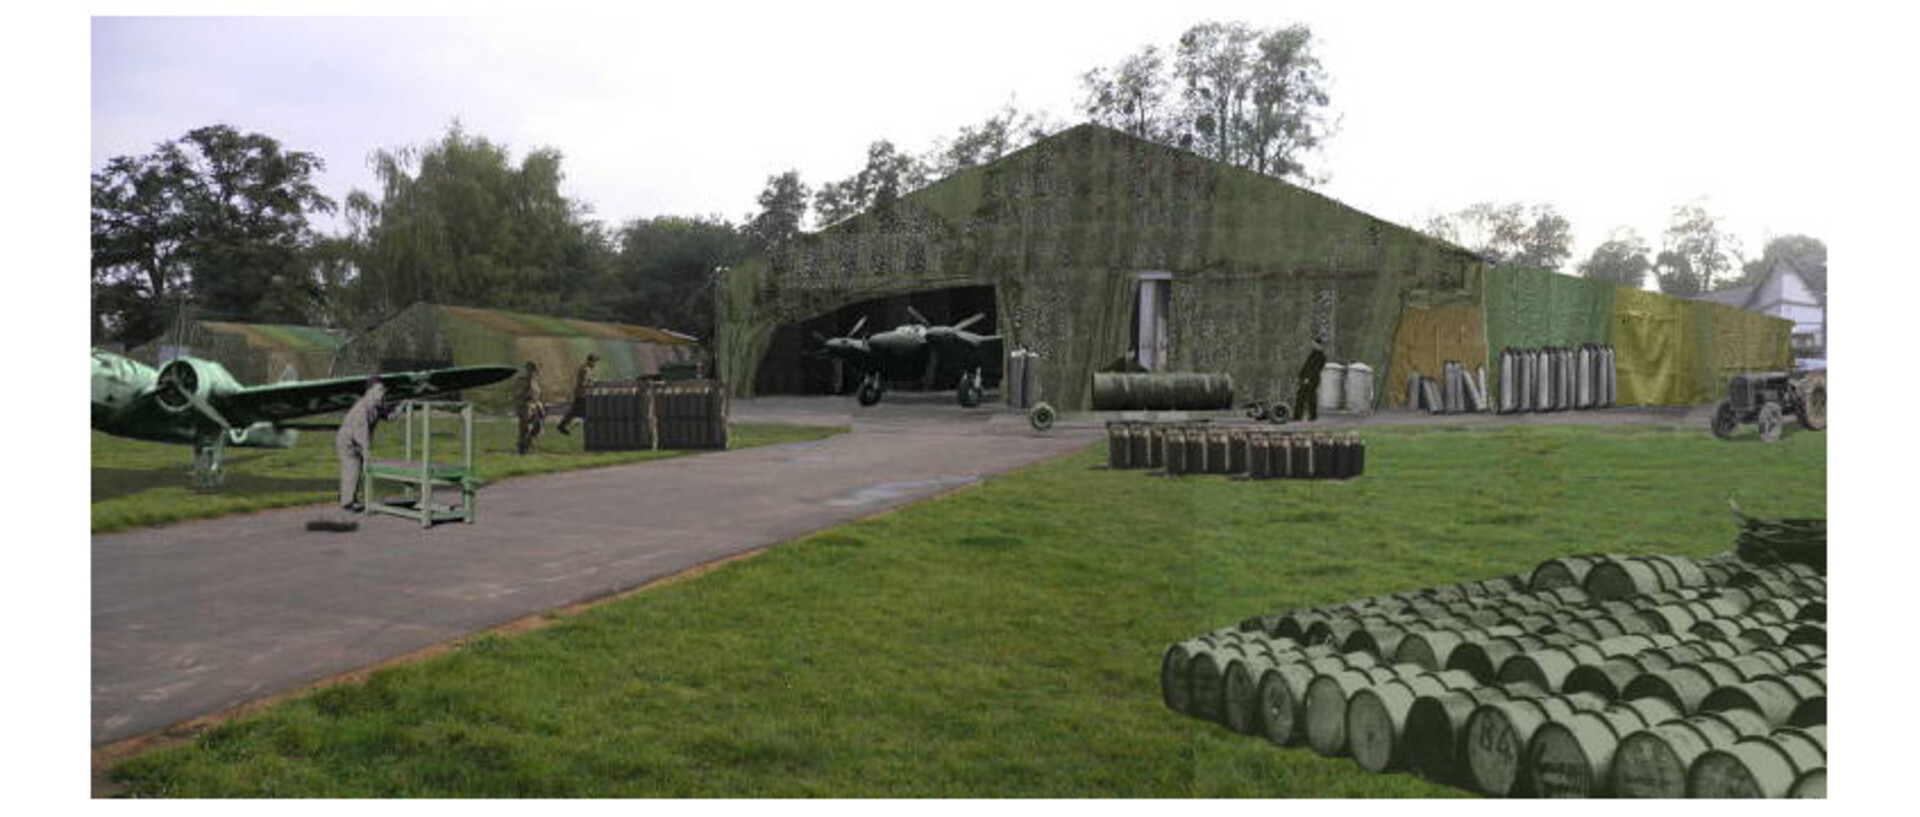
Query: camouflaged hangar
x,y
1092,247
1079,236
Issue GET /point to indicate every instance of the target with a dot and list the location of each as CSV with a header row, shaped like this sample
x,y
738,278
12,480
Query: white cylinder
x,y
1359,391
1333,386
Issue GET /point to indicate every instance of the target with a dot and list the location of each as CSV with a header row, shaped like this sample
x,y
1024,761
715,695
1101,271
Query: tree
x,y
1695,238
664,271
1001,134
1132,97
1251,98
1533,235
1621,259
216,218
1806,253
457,222
783,207
887,174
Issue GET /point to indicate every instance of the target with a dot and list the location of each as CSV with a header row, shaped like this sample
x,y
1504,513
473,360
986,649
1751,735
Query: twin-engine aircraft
x,y
907,351
198,402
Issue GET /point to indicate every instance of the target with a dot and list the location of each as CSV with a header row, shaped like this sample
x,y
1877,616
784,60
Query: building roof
x,y
280,336
1736,297
528,325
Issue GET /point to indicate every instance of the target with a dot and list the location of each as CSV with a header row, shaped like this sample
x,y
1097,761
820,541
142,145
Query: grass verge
x,y
1002,641
140,483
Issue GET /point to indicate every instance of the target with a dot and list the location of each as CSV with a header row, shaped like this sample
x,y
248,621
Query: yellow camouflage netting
x,y
1429,337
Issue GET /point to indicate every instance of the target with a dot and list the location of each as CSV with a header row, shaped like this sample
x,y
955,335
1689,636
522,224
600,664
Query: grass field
x,y
1003,641
139,483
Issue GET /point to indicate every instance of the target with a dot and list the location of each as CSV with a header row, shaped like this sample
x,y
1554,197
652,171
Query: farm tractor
x,y
1765,398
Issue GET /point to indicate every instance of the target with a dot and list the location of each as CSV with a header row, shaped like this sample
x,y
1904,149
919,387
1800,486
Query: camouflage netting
x,y
1261,268
1677,353
1428,337
1530,309
433,335
254,352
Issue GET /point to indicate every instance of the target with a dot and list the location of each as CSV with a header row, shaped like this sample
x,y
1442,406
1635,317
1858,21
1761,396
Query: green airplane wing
x,y
284,401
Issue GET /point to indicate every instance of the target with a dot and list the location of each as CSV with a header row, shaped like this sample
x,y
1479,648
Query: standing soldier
x,y
577,410
1306,396
533,413
355,439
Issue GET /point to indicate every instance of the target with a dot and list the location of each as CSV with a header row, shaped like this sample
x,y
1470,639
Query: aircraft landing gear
x,y
208,452
872,388
970,390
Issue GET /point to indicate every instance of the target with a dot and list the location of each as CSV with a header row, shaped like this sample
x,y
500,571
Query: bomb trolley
x,y
417,471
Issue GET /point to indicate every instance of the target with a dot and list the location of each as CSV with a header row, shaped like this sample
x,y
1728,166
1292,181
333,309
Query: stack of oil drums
x,y
1594,676
1258,453
1557,379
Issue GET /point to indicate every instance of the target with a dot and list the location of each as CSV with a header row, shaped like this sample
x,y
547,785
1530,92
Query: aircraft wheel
x,y
870,391
970,391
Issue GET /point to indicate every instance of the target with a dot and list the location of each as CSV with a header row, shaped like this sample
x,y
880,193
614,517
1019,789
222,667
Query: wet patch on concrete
x,y
883,492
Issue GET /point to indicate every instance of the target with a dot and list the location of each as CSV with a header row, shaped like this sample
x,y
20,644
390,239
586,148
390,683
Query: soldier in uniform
x,y
533,413
1306,396
355,439
577,409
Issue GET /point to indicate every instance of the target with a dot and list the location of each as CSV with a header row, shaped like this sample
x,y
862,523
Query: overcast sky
x,y
1614,112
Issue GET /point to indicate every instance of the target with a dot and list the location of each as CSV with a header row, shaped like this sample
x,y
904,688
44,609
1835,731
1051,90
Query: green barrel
x,y
1177,391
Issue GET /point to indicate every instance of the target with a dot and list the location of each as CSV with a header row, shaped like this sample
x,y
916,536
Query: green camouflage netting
x,y
1261,268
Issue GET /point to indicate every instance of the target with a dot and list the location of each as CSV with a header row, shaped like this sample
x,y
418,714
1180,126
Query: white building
x,y
1785,292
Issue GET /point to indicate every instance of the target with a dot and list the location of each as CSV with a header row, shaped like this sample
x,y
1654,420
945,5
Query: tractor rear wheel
x,y
1724,420
1770,422
1813,403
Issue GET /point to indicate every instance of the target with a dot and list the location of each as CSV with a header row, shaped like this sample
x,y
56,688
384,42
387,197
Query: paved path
x,y
193,618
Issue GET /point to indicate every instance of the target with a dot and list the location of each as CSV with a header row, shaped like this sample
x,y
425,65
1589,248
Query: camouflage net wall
x,y
1530,309
1677,353
1261,269
468,337
254,352
1428,337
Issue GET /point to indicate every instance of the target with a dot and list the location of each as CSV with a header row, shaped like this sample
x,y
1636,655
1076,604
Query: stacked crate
x,y
656,415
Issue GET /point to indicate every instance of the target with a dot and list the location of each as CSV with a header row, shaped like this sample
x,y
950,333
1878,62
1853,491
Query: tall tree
x,y
1807,254
1621,259
783,208
1004,132
1709,253
1133,96
1250,97
887,174
664,272
217,218
1534,235
458,222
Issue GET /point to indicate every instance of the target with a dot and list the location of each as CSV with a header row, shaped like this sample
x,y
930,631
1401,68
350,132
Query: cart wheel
x,y
1279,414
1041,417
1813,404
1770,422
1724,420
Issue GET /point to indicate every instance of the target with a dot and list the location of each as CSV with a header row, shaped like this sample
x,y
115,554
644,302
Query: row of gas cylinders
x,y
1204,448
1557,379
1457,391
1712,683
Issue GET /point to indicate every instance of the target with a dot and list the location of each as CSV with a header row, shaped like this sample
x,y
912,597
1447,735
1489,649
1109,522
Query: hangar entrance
x,y
793,363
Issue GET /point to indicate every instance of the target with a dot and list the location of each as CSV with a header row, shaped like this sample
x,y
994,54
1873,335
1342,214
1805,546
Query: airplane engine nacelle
x,y
262,435
185,384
